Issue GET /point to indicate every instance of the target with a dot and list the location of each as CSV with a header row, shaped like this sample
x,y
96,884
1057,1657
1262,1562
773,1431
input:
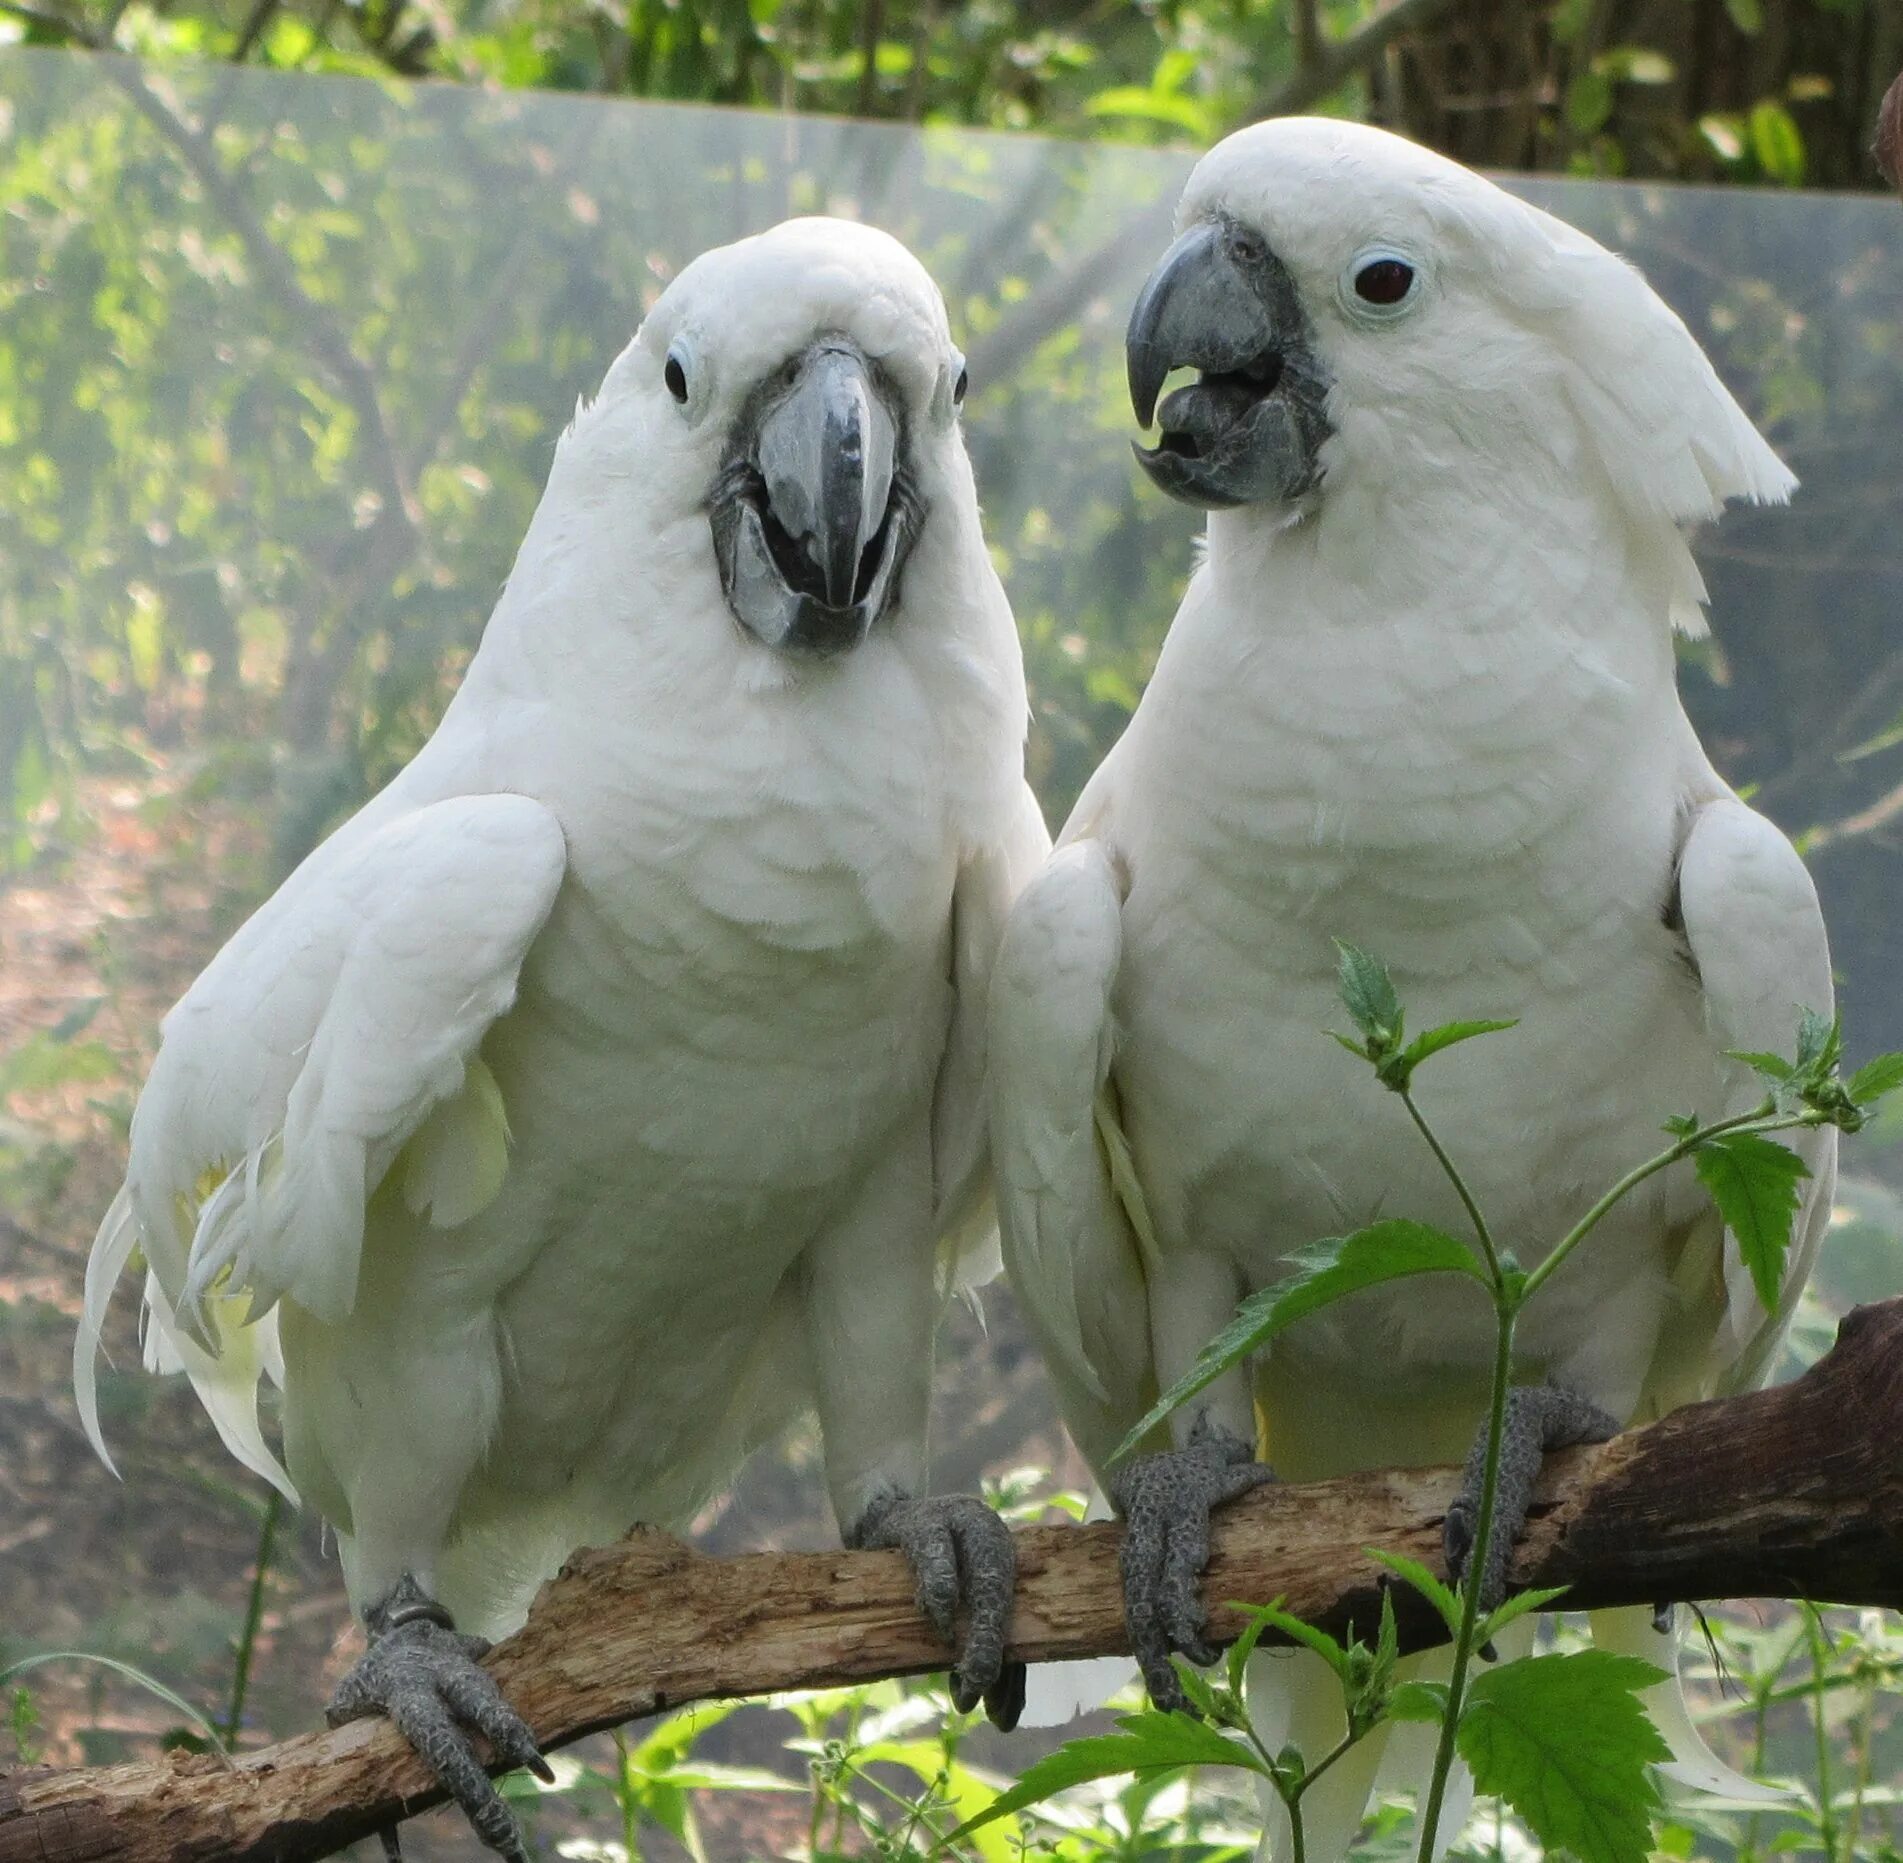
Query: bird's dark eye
x,y
958,388
676,378
1384,281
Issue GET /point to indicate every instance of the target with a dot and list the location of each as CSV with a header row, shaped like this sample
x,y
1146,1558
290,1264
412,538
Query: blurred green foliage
x,y
1781,91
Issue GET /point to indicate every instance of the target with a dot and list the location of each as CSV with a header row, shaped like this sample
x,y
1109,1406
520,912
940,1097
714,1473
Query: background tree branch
x,y
1794,1492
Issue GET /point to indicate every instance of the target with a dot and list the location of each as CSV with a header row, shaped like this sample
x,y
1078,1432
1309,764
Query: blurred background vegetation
x,y
285,342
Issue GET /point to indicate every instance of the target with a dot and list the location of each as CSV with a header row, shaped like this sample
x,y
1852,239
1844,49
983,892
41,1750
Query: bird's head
x,y
1360,310
794,399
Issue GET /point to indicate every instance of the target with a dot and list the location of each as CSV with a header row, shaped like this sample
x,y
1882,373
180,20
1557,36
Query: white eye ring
x,y
948,395
686,378
1380,284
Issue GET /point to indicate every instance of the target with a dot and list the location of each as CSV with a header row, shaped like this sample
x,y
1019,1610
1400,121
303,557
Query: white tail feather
x,y
111,1251
1693,1764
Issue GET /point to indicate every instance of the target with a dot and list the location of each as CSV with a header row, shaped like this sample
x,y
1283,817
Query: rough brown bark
x,y
1794,1492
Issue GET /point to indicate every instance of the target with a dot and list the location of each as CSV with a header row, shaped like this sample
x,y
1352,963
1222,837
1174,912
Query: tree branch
x,y
1795,1492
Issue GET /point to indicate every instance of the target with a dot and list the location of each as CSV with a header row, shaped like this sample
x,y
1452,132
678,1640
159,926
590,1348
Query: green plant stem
x,y
625,1797
253,1618
1482,1233
1762,1120
1820,1666
1860,1751
1291,1796
1506,1309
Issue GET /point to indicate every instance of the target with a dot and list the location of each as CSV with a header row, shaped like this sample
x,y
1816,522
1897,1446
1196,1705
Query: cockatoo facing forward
x,y
1419,696
603,1091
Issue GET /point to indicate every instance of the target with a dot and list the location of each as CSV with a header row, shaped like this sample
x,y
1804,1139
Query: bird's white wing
x,y
335,1035
1757,938
987,885
1070,1247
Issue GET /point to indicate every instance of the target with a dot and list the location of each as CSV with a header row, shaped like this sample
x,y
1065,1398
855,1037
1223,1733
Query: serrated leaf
x,y
1319,1274
1515,1607
1820,1042
1876,1078
1273,1617
1196,1689
1565,1741
1754,1183
1418,1701
1423,1581
1450,1033
1387,1646
1368,993
1149,1741
1771,1066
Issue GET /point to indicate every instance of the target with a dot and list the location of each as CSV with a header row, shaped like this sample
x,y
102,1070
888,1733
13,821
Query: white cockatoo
x,y
1419,696
609,1087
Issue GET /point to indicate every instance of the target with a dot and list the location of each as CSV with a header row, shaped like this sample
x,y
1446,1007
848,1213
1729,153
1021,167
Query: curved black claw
x,y
1165,1501
422,1673
960,1553
1539,1417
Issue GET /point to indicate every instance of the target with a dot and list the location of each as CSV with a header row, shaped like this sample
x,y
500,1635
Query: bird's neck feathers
x,y
614,621
1362,653
1456,556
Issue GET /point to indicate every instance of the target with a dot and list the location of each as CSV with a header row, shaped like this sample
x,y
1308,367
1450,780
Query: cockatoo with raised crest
x,y
1419,696
609,1087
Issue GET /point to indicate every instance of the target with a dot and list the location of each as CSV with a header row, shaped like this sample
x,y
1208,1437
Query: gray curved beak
x,y
1249,429
826,454
1198,310
812,517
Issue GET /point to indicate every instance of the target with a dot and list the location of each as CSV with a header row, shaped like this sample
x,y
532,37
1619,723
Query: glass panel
x,y
281,366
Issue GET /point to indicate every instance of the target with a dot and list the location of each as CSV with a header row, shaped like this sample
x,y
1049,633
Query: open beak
x,y
1248,430
812,516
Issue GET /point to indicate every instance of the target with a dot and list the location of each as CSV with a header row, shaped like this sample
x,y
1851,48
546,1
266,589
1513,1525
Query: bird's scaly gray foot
x,y
1165,1501
960,1552
422,1673
1539,1417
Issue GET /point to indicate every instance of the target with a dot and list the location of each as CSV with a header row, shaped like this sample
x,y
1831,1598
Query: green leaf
x,y
1197,1690
1588,101
1773,1067
1157,106
1447,1035
1777,142
1565,1741
1149,1741
1273,1617
1754,1183
1368,993
1423,1581
1418,1701
1820,1042
1244,1647
1876,1078
1636,64
1746,15
1319,1274
1515,1607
